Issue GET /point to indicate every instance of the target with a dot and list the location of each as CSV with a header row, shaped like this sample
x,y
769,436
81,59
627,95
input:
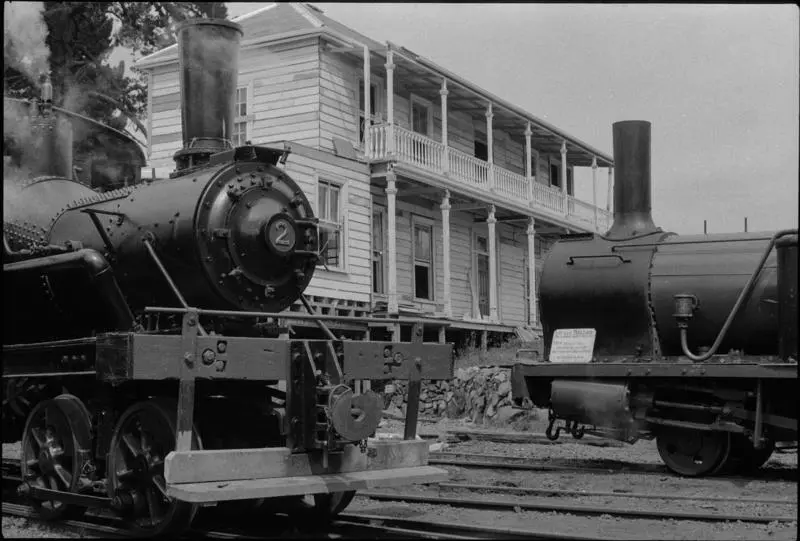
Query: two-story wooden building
x,y
434,196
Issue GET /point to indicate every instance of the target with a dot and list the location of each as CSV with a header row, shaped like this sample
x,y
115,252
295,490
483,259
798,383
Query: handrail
x,y
297,316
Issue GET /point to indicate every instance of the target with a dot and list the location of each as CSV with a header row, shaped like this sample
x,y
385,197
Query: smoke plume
x,y
24,34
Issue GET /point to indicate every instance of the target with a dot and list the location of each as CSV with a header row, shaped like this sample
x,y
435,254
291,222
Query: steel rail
x,y
590,493
524,463
433,527
574,509
17,510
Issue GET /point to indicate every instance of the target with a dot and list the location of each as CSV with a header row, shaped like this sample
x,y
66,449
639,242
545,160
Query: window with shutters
x,y
240,133
331,225
378,244
423,260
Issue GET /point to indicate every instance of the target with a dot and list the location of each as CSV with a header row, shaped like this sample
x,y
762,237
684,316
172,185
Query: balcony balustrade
x,y
426,154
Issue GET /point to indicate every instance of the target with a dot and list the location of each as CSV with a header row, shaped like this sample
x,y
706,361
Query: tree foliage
x,y
82,35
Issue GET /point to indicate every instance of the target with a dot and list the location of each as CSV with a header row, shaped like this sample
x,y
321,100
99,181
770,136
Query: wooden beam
x,y
503,219
445,207
467,206
423,191
348,49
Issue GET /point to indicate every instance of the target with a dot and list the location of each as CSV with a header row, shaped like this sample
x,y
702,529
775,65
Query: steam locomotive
x,y
691,340
144,371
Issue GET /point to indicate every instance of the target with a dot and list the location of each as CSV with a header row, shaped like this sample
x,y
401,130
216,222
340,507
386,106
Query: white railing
x,y
425,153
378,143
510,184
468,168
418,150
548,197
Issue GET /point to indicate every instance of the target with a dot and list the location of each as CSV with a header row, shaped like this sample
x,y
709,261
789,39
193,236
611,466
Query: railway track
x,y
496,461
348,526
355,525
573,509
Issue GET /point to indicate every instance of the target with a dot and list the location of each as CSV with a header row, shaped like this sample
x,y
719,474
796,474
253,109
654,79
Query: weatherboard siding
x,y
307,166
283,98
512,251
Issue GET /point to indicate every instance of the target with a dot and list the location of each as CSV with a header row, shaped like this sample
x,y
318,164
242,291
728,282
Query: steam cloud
x,y
24,34
24,48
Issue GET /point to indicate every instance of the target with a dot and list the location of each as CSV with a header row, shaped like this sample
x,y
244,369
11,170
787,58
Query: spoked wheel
x,y
744,457
142,439
693,452
56,443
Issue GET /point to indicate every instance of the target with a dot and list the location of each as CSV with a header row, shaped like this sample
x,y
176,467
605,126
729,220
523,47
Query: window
x,y
481,150
555,178
331,239
423,261
373,105
482,275
378,281
239,135
421,116
570,186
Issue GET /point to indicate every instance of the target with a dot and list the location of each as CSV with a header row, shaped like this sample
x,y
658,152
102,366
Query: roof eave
x,y
601,156
144,64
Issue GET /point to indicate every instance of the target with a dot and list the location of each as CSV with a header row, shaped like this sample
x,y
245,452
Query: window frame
x,y
415,99
534,163
247,118
554,162
430,224
379,213
379,93
342,226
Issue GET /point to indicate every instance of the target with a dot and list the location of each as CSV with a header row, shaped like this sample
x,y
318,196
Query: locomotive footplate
x,y
211,476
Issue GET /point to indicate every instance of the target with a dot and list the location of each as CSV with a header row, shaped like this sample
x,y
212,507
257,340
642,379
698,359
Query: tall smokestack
x,y
208,51
632,207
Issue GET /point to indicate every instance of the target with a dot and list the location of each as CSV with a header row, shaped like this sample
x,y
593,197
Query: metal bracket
x,y
185,417
414,384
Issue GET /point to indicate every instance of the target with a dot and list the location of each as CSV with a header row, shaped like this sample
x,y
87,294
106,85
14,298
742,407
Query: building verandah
x,y
451,257
428,121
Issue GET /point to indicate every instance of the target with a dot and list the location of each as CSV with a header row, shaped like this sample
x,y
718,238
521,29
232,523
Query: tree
x,y
80,36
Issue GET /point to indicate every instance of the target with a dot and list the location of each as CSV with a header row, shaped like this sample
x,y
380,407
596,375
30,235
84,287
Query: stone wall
x,y
480,394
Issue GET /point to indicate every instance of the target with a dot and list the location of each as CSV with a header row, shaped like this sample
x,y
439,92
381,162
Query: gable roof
x,y
286,20
275,20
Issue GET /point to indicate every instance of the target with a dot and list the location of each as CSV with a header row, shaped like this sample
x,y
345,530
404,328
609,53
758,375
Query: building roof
x,y
285,20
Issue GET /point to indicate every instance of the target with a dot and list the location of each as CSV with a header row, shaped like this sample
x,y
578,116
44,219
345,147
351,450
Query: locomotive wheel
x,y
744,457
56,442
693,453
142,439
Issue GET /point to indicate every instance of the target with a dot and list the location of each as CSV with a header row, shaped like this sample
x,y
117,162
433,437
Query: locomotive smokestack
x,y
208,51
632,208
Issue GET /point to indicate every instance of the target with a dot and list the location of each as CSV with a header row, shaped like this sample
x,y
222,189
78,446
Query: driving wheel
x,y
142,439
56,445
691,452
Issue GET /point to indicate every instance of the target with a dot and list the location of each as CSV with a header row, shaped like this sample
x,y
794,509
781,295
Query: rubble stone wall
x,y
481,394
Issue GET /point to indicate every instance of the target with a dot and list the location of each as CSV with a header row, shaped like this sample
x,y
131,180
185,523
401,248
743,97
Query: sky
x,y
719,83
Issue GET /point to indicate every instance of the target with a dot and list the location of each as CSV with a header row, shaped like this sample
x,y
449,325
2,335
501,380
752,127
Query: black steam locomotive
x,y
688,339
143,369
